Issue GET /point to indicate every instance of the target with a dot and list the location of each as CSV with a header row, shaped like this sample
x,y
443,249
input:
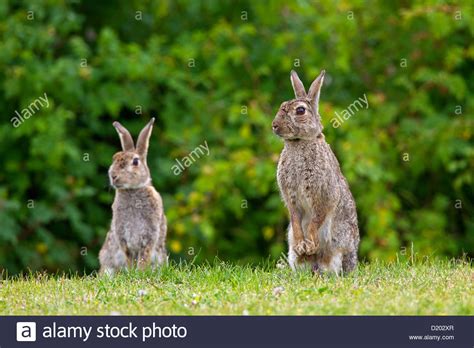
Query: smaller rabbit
x,y
137,233
323,227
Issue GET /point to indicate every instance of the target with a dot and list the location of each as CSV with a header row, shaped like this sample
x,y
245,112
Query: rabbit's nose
x,y
114,177
274,126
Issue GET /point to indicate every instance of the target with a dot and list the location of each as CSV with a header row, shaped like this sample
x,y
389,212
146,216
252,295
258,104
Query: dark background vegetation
x,y
413,60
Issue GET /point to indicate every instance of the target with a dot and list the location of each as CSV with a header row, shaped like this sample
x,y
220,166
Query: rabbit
x,y
137,233
323,230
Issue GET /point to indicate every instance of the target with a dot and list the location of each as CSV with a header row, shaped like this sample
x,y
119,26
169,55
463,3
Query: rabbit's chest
x,y
301,181
132,231
299,175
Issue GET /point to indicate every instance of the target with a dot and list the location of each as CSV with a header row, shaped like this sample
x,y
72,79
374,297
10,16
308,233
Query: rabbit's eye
x,y
300,110
135,162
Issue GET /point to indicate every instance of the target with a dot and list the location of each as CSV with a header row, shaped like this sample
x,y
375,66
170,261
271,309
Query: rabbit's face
x,y
128,171
296,119
299,118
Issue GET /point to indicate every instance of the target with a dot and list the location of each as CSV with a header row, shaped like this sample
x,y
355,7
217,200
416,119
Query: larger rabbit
x,y
138,230
323,227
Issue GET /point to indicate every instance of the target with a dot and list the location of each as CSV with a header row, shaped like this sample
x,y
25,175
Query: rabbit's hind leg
x,y
292,259
159,257
349,261
329,263
111,257
145,257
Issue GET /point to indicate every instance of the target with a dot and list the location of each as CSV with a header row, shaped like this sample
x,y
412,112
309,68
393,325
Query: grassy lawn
x,y
430,287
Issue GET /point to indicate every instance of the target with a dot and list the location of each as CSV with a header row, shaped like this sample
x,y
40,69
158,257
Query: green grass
x,y
431,287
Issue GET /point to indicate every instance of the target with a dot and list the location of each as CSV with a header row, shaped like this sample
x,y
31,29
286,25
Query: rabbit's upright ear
x,y
144,138
125,138
298,86
315,89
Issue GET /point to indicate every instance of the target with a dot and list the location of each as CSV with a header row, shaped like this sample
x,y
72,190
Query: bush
x,y
215,73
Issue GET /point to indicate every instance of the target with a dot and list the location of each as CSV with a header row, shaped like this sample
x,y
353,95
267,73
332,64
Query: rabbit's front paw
x,y
311,247
300,248
306,247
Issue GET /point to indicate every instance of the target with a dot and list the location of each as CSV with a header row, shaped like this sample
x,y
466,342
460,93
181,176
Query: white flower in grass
x,y
196,299
142,293
278,291
280,265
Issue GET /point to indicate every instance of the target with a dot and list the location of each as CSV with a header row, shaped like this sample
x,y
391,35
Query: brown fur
x,y
323,227
137,233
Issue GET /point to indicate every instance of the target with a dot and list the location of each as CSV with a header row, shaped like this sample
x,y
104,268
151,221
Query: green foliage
x,y
217,71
